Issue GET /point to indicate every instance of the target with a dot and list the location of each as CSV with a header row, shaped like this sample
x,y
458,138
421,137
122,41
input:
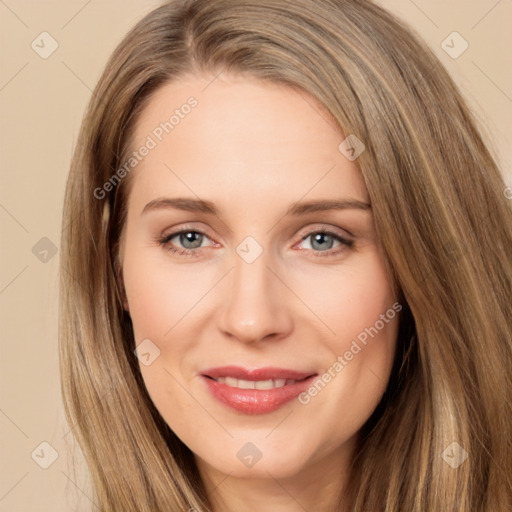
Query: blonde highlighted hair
x,y
440,211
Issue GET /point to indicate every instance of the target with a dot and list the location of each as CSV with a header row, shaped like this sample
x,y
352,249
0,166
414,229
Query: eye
x,y
190,240
322,241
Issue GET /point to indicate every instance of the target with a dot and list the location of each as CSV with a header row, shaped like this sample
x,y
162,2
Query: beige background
x,y
42,102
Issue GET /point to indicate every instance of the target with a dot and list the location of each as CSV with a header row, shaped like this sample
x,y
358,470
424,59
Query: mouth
x,y
257,391
254,384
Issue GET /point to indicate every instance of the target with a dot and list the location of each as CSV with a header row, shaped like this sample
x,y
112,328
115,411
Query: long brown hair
x,y
440,211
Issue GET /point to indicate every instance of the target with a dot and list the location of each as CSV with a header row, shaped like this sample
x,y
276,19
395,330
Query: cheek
x,y
360,310
159,293
350,299
160,299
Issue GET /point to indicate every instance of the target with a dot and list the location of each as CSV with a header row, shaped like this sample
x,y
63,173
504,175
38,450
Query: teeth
x,y
229,381
254,384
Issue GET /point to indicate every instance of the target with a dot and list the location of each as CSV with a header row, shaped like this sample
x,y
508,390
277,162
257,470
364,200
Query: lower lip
x,y
256,401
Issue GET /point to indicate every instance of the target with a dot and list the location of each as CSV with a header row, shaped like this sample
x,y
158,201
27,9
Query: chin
x,y
258,460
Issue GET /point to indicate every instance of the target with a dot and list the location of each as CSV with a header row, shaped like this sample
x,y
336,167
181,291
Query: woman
x,y
254,370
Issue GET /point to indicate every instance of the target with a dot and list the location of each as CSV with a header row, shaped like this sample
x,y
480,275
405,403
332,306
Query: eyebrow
x,y
296,209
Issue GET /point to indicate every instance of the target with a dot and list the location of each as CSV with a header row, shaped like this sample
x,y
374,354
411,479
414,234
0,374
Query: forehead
x,y
241,137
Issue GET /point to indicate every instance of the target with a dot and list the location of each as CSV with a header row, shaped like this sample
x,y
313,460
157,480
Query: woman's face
x,y
264,344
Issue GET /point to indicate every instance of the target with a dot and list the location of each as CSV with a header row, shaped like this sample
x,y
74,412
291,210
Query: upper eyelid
x,y
327,227
184,229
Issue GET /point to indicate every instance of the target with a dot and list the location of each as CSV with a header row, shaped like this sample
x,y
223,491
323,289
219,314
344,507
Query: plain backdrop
x,y
42,101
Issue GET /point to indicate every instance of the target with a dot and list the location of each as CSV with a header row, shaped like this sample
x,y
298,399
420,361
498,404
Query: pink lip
x,y
256,401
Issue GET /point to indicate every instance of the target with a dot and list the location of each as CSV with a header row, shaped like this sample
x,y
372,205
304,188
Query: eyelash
x,y
191,253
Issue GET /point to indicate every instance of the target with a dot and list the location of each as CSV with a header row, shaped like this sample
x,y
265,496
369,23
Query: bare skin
x,y
255,149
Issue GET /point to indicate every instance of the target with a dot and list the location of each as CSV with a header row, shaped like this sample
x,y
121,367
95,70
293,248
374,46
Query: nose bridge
x,y
251,278
255,307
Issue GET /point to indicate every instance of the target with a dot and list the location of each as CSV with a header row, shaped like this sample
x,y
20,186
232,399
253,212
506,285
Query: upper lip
x,y
255,374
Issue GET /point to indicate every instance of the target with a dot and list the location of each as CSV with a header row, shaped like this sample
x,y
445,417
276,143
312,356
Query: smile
x,y
259,391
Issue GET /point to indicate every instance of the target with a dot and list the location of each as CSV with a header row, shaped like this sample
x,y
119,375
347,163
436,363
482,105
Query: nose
x,y
257,302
